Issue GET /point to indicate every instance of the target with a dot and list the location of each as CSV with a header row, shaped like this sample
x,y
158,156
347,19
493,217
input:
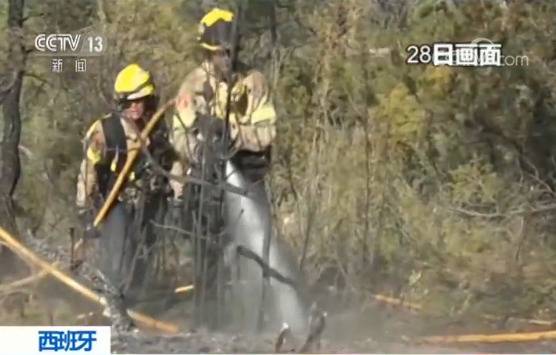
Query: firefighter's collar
x,y
208,67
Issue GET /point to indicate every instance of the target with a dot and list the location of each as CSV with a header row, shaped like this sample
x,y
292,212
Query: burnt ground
x,y
350,328
373,330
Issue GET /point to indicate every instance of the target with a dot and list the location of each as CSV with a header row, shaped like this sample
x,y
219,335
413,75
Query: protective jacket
x,y
106,144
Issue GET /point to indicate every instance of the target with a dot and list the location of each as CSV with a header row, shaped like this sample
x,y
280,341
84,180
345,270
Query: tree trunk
x,y
9,155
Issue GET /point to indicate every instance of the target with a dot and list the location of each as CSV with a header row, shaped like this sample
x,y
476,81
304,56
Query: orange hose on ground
x,y
489,338
17,247
184,289
475,338
397,302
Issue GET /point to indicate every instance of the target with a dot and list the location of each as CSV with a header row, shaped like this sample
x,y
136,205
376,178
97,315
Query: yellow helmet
x,y
132,83
215,30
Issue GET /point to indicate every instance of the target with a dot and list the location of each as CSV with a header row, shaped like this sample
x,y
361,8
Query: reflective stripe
x,y
114,164
264,113
93,155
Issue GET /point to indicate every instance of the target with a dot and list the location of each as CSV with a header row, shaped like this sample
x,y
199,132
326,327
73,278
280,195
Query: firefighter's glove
x,y
86,219
146,172
211,128
212,132
159,138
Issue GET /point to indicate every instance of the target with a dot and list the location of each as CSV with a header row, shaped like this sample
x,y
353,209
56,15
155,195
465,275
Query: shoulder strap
x,y
115,138
208,92
114,134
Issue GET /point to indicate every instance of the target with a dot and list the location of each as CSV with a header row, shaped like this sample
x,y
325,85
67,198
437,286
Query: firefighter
x,y
107,142
202,114
203,97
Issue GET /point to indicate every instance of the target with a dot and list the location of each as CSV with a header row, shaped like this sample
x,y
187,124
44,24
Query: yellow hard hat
x,y
132,83
215,30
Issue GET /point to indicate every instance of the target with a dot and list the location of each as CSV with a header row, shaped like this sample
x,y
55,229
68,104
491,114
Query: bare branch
x,y
101,12
30,16
23,282
37,77
492,215
28,153
173,228
5,88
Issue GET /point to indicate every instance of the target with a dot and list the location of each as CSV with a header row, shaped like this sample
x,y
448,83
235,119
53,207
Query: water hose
x,y
133,153
25,253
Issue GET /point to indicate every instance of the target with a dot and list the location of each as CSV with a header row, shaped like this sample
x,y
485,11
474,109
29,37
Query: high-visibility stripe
x,y
93,155
264,113
114,164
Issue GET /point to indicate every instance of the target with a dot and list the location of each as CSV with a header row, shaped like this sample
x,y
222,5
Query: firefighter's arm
x,y
94,148
256,129
182,135
178,169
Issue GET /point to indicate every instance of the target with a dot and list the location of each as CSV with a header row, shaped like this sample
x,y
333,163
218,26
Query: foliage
x,y
428,182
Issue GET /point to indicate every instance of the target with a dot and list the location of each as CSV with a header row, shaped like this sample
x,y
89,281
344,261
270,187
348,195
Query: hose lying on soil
x,y
28,255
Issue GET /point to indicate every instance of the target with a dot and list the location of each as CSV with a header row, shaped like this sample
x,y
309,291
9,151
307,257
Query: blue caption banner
x,y
55,340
